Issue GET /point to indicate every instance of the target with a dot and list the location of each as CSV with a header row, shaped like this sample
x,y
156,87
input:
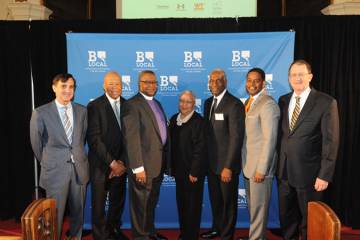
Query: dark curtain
x,y
329,43
16,177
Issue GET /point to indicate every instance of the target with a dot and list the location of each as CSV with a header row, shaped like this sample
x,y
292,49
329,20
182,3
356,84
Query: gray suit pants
x,y
74,192
258,199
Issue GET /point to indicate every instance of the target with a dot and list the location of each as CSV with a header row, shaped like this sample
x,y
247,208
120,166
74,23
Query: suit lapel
x,y
222,103
150,113
309,105
256,102
286,112
109,111
75,121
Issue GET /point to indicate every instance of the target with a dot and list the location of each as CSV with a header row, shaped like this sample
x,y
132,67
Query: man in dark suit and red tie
x,y
309,130
106,157
145,133
225,120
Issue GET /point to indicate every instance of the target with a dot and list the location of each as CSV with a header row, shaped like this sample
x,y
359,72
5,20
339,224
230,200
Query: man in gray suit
x,y
258,151
57,132
146,141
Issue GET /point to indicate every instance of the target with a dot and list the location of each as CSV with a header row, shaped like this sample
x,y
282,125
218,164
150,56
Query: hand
x,y
226,175
192,179
141,177
258,177
117,168
320,185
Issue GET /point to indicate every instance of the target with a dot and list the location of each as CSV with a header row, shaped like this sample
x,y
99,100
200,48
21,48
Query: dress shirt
x,y
303,97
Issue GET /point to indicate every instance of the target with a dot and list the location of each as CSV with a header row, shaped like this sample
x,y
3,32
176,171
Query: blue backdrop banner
x,y
181,62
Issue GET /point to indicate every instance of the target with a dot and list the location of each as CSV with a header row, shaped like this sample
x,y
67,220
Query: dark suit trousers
x,y
100,186
223,199
189,198
143,201
293,208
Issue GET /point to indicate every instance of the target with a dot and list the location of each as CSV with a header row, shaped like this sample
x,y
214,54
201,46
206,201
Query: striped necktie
x,y
295,113
67,125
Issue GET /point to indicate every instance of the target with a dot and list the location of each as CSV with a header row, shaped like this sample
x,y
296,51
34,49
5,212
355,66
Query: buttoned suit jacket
x,y
310,149
142,137
104,134
261,129
225,137
52,147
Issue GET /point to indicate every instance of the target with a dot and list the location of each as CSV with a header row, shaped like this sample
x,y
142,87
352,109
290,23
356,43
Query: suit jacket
x,y
142,137
104,134
225,137
52,148
310,150
187,147
261,129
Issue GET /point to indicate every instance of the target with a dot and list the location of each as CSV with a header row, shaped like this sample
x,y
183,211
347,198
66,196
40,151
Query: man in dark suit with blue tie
x,y
57,134
106,158
309,133
145,133
225,118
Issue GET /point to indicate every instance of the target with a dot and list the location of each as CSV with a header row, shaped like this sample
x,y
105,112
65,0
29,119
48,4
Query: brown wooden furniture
x,y
39,220
323,224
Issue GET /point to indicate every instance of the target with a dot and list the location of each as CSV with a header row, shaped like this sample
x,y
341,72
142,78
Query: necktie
x,y
248,105
160,119
295,114
213,107
117,110
67,125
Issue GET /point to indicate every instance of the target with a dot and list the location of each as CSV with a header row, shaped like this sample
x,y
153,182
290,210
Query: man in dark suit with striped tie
x,y
309,130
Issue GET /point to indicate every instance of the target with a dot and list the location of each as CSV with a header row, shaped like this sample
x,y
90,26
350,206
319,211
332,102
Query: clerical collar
x,y
146,96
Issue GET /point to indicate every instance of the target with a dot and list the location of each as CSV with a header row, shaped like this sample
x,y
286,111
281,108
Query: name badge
x,y
219,116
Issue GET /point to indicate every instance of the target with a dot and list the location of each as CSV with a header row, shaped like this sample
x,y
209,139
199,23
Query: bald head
x,y
112,84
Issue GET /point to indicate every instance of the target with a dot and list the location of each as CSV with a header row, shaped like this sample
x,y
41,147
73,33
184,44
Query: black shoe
x,y
158,236
180,237
117,234
210,234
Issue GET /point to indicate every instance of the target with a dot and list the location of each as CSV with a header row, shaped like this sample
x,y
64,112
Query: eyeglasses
x,y
149,82
300,75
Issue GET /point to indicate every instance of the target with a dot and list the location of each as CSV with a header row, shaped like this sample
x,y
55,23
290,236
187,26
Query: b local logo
x,y
192,59
126,83
240,58
145,59
269,80
97,59
198,105
169,83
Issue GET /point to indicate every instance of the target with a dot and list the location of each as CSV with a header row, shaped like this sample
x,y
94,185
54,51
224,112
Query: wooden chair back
x,y
39,221
322,222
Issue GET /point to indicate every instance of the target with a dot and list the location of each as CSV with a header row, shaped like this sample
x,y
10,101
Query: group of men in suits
x,y
303,129
130,139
